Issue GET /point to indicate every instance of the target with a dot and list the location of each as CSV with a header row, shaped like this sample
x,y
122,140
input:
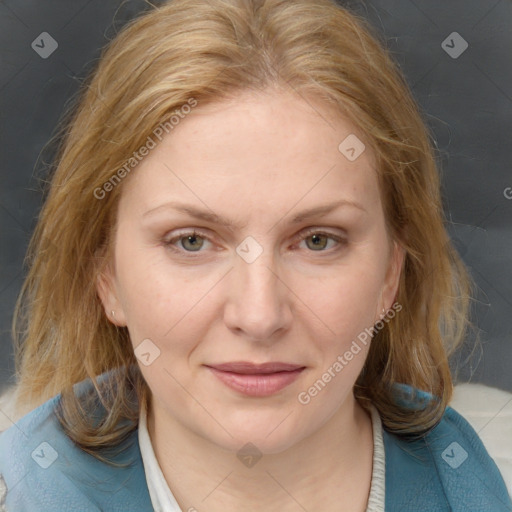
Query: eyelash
x,y
170,242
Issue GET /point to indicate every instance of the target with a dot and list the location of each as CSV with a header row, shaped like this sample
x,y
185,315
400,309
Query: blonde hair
x,y
209,51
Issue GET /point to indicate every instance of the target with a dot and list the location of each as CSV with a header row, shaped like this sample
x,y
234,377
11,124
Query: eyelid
x,y
186,232
320,231
341,240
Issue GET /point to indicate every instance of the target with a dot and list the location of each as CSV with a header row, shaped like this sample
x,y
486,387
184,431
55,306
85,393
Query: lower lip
x,y
257,385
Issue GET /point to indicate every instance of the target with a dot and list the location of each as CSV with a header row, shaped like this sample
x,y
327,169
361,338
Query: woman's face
x,y
265,279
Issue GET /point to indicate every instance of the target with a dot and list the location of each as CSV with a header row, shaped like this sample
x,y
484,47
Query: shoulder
x,y
448,468
489,412
44,470
8,417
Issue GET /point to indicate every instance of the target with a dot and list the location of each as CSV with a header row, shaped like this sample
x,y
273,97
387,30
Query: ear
x,y
108,294
392,280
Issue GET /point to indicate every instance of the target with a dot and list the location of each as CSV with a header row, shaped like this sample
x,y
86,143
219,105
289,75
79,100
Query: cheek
x,y
170,307
346,301
346,307
151,298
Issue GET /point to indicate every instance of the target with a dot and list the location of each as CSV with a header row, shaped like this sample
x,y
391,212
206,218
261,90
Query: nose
x,y
258,300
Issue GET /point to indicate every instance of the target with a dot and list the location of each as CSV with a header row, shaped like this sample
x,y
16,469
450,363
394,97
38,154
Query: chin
x,y
268,435
243,444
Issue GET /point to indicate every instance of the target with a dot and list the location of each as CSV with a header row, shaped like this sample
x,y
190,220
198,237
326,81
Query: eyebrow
x,y
215,218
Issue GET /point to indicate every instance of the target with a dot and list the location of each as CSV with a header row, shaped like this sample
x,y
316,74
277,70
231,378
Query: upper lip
x,y
245,367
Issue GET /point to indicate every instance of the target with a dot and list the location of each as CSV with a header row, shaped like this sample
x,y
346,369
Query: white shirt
x,y
163,500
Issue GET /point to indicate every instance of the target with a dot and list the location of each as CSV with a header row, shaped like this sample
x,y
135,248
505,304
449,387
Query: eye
x,y
320,240
194,241
191,241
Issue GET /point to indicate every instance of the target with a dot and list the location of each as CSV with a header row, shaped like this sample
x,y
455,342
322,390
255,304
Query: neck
x,y
329,470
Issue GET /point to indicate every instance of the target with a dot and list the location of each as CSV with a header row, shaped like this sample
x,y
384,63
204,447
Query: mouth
x,y
257,380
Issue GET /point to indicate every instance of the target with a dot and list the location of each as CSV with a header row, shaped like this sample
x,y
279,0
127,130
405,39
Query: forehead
x,y
256,152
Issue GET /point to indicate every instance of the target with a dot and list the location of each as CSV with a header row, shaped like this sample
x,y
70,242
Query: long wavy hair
x,y
208,51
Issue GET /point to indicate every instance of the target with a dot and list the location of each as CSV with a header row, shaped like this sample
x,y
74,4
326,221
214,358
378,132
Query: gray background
x,y
467,102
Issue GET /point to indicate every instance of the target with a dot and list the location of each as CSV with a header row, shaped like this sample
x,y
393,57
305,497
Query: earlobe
x,y
107,293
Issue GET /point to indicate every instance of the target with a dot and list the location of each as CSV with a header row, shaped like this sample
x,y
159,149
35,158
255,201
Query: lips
x,y
258,380
247,368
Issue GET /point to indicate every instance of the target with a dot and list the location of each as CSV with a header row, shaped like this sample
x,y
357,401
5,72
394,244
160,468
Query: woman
x,y
242,261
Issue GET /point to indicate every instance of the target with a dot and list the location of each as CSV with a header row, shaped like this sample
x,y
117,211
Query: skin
x,y
258,159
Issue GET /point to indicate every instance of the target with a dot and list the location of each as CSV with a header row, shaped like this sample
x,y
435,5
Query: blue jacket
x,y
446,470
